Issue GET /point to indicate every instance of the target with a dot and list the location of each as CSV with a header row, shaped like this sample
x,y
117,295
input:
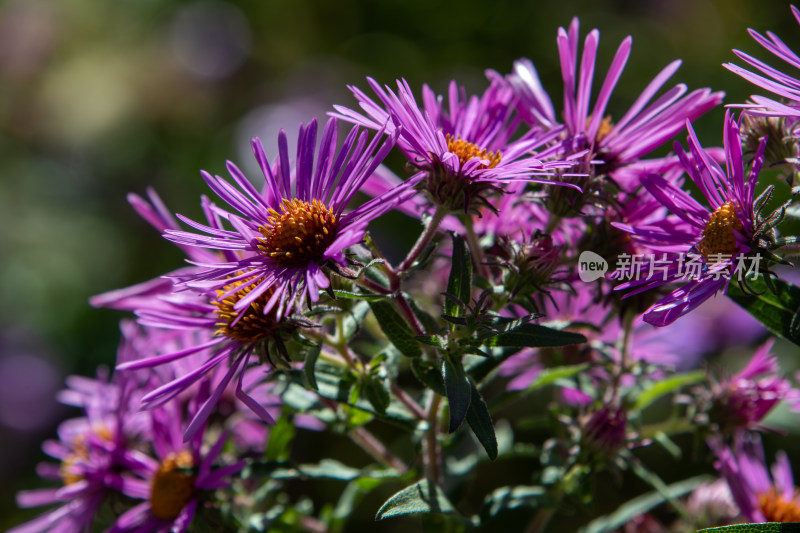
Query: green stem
x,y
432,453
370,444
424,239
540,520
475,249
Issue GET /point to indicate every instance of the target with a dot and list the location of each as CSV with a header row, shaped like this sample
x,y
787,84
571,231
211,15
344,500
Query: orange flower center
x,y
299,234
605,128
172,489
776,508
254,325
466,150
718,237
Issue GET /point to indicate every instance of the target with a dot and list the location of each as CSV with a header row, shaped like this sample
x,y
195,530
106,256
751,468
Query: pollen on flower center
x,y
298,235
172,489
605,128
466,150
253,325
718,236
776,508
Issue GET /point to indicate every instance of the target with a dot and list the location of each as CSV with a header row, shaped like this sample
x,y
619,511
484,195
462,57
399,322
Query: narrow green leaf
x,y
376,394
641,505
312,354
779,312
280,436
459,391
505,498
480,421
769,527
656,389
429,323
534,335
367,296
459,284
396,328
335,384
421,497
432,340
429,375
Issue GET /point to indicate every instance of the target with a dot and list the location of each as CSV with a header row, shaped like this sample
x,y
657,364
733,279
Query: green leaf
x,y
642,504
312,354
376,394
769,527
459,284
459,391
353,319
534,335
421,497
396,328
505,498
779,312
480,421
429,323
335,383
429,375
367,296
280,436
654,390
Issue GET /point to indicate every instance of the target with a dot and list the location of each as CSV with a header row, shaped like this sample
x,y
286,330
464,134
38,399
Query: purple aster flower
x,y
777,121
761,497
173,485
188,336
90,450
246,281
282,238
744,400
465,149
716,239
617,143
770,78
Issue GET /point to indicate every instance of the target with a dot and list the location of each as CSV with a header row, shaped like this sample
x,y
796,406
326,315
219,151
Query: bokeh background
x,y
101,98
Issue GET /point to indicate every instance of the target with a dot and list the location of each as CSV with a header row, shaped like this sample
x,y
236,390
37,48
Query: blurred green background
x,y
101,98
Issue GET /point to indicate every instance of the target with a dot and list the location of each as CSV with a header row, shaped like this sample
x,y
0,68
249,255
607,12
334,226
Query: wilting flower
x,y
759,496
716,240
614,143
465,149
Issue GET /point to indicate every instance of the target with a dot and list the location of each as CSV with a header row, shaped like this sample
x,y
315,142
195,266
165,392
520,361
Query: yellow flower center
x,y
299,234
80,452
718,237
172,489
466,150
605,128
254,325
776,508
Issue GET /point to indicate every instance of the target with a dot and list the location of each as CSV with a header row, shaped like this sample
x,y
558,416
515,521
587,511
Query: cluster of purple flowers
x,y
529,187
119,456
